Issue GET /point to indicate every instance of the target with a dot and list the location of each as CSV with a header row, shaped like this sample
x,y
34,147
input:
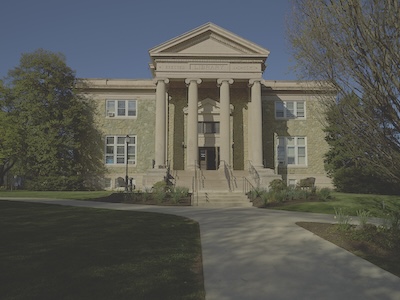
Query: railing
x,y
170,179
233,178
176,177
253,172
230,178
195,193
197,181
201,177
248,188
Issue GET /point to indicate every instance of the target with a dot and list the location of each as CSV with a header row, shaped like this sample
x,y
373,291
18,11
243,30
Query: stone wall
x,y
311,127
143,127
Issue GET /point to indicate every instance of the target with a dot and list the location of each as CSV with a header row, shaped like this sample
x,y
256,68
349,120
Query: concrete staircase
x,y
221,199
214,190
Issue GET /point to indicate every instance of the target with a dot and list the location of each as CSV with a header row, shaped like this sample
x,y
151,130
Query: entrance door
x,y
209,158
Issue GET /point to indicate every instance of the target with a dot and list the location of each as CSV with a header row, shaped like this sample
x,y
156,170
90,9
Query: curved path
x,y
257,254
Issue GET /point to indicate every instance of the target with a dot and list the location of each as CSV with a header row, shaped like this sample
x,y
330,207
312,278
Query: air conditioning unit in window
x,y
110,114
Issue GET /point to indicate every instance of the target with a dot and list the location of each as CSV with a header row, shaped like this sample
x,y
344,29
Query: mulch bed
x,y
258,202
381,248
142,198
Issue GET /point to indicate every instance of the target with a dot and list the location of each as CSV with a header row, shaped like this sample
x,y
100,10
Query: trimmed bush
x,y
160,186
177,193
324,194
277,185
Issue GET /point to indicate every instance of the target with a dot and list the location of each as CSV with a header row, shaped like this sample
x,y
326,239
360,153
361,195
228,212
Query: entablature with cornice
x,y
240,69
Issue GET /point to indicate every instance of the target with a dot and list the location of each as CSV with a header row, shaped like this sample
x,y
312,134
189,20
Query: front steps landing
x,y
220,199
213,188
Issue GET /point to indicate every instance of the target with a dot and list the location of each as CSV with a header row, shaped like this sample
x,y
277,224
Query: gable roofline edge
x,y
203,28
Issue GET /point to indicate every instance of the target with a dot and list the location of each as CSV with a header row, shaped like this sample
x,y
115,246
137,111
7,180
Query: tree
x,y
343,162
8,144
355,46
59,146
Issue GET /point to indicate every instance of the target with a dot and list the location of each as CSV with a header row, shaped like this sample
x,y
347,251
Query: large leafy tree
x,y
344,161
9,145
59,147
355,46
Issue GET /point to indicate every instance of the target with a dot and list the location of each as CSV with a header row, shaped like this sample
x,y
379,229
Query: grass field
x,y
56,252
377,205
78,195
52,252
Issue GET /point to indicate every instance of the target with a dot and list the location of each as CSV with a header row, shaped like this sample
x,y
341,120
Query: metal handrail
x,y
169,178
197,181
253,172
194,190
227,176
201,177
230,178
233,177
248,187
176,177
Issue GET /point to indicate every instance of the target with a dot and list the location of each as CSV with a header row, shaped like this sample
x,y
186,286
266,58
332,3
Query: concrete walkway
x,y
257,254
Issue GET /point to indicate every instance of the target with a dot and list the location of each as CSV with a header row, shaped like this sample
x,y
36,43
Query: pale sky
x,y
111,39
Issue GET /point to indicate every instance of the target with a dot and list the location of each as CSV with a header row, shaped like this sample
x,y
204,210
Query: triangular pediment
x,y
208,40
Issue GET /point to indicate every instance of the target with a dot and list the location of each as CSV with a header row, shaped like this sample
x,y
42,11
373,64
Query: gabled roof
x,y
208,40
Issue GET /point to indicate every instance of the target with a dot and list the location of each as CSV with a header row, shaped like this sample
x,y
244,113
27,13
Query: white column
x,y
192,148
161,128
256,123
225,130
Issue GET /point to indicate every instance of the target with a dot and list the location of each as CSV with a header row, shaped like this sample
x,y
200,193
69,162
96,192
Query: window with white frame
x,y
292,183
292,151
290,109
118,148
121,108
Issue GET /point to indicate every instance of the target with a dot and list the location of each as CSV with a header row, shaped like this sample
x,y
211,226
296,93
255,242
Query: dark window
x,y
208,127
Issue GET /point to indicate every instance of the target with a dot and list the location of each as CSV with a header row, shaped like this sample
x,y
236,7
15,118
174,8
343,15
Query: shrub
x,y
178,193
256,192
363,216
160,186
292,194
281,196
266,198
277,185
147,194
324,194
342,219
55,183
302,194
159,195
275,196
391,221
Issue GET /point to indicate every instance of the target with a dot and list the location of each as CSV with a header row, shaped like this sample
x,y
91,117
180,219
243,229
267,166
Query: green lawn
x,y
349,203
56,252
78,195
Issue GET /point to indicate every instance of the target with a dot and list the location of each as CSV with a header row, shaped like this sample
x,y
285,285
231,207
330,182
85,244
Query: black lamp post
x,y
126,171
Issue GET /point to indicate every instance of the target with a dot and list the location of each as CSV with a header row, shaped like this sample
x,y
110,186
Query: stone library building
x,y
208,121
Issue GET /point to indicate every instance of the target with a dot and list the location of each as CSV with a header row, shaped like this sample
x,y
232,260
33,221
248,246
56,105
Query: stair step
x,y
221,199
215,191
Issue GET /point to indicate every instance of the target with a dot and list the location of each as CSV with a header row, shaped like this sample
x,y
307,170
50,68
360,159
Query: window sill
x,y
120,117
293,166
287,119
120,165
